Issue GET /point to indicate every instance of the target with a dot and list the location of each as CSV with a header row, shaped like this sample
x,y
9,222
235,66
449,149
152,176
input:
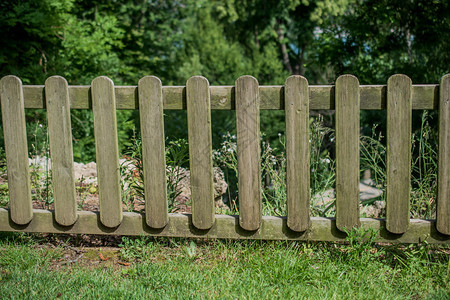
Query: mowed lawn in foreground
x,y
177,268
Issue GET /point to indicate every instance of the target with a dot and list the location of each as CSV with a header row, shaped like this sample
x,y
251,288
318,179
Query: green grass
x,y
178,268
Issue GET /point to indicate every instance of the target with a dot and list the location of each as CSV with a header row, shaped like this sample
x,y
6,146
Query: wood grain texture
x,y
399,118
15,137
107,151
225,227
347,152
297,152
373,97
443,193
248,152
153,151
60,139
200,151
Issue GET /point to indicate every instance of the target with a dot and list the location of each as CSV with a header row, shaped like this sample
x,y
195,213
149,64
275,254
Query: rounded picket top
x,y
56,78
247,78
197,78
10,80
101,81
296,79
444,78
399,79
151,80
348,78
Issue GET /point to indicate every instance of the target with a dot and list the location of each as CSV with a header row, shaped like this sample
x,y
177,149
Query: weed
x,y
177,157
132,172
274,184
424,170
361,242
322,165
191,250
40,174
133,249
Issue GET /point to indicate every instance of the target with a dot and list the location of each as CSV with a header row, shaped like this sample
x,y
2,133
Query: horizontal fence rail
x,y
372,97
399,97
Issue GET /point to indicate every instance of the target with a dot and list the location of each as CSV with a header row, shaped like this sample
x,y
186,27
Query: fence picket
x,y
443,196
248,152
60,139
107,151
15,137
347,152
296,97
153,151
399,118
200,151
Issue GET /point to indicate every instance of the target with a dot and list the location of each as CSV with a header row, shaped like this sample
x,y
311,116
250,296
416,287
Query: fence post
x,y
107,151
14,131
248,152
200,151
153,151
443,196
399,118
60,138
347,152
296,99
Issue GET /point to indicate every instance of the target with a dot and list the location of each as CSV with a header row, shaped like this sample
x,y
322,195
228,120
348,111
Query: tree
x,y
376,39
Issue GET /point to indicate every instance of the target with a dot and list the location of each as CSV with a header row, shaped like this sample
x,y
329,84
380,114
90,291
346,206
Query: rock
x,y
220,186
87,173
372,211
366,192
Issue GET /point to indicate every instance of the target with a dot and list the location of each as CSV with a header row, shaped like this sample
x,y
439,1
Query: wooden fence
x,y
399,97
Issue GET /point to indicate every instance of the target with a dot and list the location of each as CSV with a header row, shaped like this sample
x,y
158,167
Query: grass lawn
x,y
32,267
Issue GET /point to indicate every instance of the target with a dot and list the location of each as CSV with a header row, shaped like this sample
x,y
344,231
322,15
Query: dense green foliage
x,y
220,40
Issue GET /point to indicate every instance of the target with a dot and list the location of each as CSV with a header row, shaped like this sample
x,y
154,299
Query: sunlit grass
x,y
178,268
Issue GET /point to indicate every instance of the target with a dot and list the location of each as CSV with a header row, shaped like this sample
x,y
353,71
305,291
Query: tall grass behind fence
x,y
399,97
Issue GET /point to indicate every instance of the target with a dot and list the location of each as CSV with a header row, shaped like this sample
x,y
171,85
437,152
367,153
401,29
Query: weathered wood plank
x,y
347,152
248,152
15,137
225,227
200,151
153,151
107,151
373,97
60,139
297,152
399,118
443,195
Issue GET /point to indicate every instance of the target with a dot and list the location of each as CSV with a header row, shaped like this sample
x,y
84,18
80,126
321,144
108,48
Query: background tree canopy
x,y
220,40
